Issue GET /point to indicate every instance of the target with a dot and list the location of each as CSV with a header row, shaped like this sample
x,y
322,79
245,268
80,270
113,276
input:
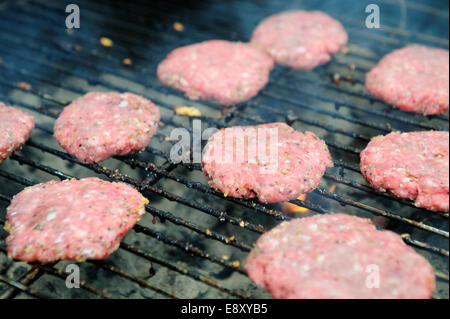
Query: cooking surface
x,y
193,242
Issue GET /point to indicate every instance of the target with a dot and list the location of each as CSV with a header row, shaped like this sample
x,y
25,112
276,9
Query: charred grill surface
x,y
193,242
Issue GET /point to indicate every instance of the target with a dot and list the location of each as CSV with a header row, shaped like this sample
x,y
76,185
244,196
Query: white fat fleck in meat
x,y
51,216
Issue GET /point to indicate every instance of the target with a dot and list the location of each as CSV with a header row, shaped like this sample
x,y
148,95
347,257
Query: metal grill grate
x,y
196,223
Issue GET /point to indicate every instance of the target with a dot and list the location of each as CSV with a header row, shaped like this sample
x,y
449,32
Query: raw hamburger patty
x,y
99,125
295,162
15,128
74,219
410,165
414,79
225,71
300,39
337,256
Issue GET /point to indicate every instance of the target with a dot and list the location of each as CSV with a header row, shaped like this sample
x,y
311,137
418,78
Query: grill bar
x,y
304,105
111,268
30,277
171,241
344,104
141,229
23,288
255,228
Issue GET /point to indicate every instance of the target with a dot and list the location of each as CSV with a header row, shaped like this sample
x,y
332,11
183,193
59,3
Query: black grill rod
x,y
134,162
205,28
418,123
381,212
199,186
200,253
209,120
363,95
345,21
155,212
185,246
188,248
384,213
278,215
349,149
186,272
59,274
55,272
45,112
398,119
172,197
146,30
205,118
295,102
369,189
341,147
304,204
126,275
440,251
206,232
27,279
364,110
341,103
22,288
160,88
127,36
290,117
46,96
183,271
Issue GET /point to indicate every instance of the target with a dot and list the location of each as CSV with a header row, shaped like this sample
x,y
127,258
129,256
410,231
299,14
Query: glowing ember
x,y
290,208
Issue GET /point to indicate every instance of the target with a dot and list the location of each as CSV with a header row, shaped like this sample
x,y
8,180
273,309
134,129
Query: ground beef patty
x,y
293,163
337,256
410,165
300,39
414,79
220,70
99,125
15,128
74,219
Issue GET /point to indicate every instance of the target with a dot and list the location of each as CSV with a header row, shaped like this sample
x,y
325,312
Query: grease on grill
x,y
106,42
190,111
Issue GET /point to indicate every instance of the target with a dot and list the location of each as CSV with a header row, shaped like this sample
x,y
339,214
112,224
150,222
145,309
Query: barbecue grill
x,y
193,242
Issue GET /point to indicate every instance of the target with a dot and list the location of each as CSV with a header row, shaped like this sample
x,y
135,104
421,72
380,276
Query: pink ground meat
x,y
15,128
294,165
300,39
74,219
410,165
338,256
228,72
99,125
414,79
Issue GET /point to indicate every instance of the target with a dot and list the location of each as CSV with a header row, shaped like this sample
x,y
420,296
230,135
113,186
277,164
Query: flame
x,y
332,188
290,208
